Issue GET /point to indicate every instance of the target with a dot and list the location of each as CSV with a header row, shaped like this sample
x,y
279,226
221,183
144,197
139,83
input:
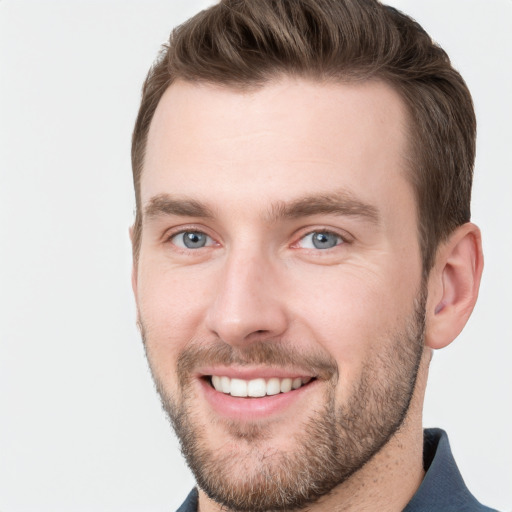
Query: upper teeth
x,y
256,387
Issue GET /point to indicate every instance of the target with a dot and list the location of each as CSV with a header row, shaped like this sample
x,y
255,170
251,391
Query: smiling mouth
x,y
256,388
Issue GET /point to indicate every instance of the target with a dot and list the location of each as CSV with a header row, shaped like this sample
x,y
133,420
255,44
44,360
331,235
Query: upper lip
x,y
249,373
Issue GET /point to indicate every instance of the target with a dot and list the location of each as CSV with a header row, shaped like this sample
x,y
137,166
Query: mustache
x,y
264,353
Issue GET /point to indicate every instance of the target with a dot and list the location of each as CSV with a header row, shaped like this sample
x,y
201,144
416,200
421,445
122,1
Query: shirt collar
x,y
443,487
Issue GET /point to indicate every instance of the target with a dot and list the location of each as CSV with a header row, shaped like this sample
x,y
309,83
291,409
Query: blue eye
x,y
191,240
320,240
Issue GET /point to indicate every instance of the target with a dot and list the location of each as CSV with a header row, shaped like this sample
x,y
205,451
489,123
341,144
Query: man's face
x,y
279,250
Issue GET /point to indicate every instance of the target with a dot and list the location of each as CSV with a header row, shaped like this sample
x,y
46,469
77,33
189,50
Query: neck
x,y
389,480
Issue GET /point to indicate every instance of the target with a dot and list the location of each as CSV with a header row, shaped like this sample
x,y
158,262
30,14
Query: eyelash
x,y
342,239
169,237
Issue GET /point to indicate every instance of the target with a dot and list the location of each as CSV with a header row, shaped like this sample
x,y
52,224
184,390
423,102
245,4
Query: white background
x,y
80,425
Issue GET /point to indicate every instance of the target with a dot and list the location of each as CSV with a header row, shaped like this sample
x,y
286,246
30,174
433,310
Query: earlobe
x,y
453,285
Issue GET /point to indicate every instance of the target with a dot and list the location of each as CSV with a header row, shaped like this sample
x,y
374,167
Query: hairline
x,y
411,155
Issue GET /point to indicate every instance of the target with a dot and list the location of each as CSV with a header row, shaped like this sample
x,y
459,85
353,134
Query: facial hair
x,y
334,442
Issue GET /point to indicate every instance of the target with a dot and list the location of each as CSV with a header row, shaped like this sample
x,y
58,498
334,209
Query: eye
x,y
191,240
320,240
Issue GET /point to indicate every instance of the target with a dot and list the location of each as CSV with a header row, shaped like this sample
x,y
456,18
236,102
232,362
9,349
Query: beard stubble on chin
x,y
330,445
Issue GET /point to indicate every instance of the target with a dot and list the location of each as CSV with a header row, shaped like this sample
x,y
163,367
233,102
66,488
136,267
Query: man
x,y
302,243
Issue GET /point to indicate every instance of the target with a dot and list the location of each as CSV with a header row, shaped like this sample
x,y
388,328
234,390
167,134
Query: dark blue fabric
x,y
190,504
442,489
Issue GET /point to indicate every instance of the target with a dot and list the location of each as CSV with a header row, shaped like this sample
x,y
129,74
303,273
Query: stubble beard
x,y
333,443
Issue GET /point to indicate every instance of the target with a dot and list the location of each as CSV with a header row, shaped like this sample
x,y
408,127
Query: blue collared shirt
x,y
442,489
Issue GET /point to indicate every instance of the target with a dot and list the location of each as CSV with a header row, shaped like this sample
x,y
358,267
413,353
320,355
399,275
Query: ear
x,y
453,285
134,265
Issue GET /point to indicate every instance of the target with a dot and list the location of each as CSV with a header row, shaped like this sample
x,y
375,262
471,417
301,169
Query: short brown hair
x,y
245,43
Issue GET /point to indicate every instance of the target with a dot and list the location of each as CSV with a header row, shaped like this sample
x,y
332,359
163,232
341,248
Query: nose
x,y
248,304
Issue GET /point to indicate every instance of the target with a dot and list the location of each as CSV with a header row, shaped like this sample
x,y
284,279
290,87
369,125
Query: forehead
x,y
287,138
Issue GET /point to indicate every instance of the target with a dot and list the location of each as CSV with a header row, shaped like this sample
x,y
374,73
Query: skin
x,y
244,156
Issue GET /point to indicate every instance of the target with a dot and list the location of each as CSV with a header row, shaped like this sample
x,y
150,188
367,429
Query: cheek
x,y
355,313
171,308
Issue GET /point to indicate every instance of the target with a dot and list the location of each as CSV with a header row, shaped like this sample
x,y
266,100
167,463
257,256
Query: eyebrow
x,y
164,204
338,203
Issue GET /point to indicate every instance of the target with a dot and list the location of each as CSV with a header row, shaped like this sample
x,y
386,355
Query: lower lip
x,y
248,409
